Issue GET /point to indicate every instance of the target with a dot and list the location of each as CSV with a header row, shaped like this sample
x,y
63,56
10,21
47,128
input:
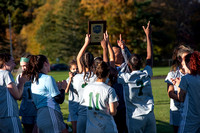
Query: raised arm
x,y
81,52
110,50
104,45
148,30
125,52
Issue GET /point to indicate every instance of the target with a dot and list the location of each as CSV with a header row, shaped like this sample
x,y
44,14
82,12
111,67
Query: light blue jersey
x,y
191,111
43,92
73,103
175,106
138,95
27,107
8,105
97,97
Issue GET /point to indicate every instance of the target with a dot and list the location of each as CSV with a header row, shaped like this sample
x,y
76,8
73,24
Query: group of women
x,y
94,97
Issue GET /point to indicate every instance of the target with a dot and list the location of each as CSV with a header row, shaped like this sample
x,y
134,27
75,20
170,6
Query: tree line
x,y
57,28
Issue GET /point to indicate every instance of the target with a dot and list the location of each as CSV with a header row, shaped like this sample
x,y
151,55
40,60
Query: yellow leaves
x,y
29,31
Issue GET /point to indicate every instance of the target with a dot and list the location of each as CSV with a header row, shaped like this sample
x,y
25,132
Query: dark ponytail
x,y
87,61
34,67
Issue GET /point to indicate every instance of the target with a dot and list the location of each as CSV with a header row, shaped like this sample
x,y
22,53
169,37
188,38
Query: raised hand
x,y
148,29
103,42
87,39
120,42
106,37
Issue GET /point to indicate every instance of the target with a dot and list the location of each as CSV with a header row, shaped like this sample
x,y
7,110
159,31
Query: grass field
x,y
161,108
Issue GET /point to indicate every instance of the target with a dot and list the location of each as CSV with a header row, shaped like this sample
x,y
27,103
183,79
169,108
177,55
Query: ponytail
x,y
34,67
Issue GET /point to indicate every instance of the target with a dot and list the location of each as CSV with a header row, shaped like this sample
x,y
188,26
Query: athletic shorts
x,y
50,120
81,124
142,124
10,125
175,118
73,111
28,119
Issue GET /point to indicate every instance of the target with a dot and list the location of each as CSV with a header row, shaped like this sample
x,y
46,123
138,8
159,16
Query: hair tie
x,y
23,59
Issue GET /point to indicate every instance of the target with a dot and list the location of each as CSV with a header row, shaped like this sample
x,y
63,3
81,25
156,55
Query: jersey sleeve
x,y
184,83
52,87
9,78
168,78
120,78
149,71
112,95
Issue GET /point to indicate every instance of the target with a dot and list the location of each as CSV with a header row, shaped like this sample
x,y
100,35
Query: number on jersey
x,y
90,101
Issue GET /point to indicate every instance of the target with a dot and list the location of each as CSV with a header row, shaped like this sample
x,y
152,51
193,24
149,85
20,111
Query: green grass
x,y
161,105
159,88
160,71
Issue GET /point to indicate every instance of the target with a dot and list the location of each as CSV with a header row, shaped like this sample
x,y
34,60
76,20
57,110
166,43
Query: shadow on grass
x,y
161,102
163,127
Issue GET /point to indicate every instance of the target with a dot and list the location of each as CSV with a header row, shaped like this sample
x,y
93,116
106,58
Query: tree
x,y
61,34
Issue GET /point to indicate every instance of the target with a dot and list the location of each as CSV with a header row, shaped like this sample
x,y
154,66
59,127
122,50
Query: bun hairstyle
x,y
34,67
135,62
4,57
87,61
102,70
192,62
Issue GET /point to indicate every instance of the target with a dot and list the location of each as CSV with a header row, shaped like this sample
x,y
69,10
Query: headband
x,y
24,60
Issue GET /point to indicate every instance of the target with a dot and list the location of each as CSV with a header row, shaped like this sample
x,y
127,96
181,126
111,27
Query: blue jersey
x,y
8,105
27,107
44,92
191,111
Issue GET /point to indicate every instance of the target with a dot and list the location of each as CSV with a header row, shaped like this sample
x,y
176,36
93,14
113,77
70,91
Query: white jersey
x,y
97,97
136,104
79,84
174,105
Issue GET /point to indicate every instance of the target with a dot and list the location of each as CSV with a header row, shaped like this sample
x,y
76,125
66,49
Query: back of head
x,y
177,56
102,70
135,62
97,60
35,65
4,57
87,61
192,62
